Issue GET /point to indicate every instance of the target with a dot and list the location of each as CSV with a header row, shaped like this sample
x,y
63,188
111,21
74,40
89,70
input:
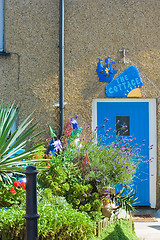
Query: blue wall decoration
x,y
105,73
125,83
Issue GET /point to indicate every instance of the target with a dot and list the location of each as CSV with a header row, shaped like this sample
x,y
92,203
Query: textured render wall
x,y
92,29
30,74
100,29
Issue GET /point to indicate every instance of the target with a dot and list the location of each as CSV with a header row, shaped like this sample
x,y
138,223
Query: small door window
x,y
122,125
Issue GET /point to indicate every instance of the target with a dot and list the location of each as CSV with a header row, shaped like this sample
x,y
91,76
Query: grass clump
x,y
118,229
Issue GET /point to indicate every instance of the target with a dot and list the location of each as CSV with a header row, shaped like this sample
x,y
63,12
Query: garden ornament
x,y
74,124
51,148
105,73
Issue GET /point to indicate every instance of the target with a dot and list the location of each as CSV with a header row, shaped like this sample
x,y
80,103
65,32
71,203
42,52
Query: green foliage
x,y
11,144
105,165
58,220
125,200
12,194
63,222
12,223
63,179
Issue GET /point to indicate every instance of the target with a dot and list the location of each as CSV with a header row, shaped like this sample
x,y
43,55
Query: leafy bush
x,y
104,165
12,223
63,179
84,167
58,220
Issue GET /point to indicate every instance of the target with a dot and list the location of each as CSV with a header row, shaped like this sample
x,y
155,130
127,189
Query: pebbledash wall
x,y
93,28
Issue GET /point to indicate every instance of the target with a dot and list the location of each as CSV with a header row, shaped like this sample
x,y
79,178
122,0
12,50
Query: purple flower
x,y
126,131
106,120
106,195
106,191
122,148
138,149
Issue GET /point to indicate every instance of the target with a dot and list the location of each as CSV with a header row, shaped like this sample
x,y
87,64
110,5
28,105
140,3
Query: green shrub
x,y
58,220
64,179
12,223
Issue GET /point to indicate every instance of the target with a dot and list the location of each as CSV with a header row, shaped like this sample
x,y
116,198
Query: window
x,y
122,125
1,25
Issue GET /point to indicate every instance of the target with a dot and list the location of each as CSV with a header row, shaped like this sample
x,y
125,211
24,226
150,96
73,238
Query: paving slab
x,y
148,230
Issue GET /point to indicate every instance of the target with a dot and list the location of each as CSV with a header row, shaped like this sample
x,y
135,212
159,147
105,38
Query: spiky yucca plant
x,y
10,159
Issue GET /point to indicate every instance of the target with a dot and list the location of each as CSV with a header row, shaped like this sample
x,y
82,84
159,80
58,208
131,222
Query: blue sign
x,y
122,85
105,73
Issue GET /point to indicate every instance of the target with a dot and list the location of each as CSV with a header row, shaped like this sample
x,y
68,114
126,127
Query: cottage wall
x,y
92,29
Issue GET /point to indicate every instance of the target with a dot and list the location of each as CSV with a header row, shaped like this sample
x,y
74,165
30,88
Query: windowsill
x,y
4,54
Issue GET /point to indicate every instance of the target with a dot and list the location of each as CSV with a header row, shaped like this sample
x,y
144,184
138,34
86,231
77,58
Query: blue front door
x,y
136,116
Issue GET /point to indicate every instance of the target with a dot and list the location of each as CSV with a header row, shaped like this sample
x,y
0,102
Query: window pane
x,y
122,125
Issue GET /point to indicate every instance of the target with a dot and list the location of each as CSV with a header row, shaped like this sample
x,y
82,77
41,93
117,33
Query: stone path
x,y
148,230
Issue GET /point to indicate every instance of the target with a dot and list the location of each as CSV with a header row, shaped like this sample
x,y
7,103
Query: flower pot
x,y
107,196
108,209
107,190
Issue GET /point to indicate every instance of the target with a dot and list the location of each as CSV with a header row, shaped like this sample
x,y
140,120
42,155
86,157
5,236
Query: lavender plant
x,y
105,162
106,165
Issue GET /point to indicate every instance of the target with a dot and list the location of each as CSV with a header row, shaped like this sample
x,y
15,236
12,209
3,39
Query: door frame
x,y
152,138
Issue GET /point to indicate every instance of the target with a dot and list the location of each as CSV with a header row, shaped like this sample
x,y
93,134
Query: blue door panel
x,y
138,115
